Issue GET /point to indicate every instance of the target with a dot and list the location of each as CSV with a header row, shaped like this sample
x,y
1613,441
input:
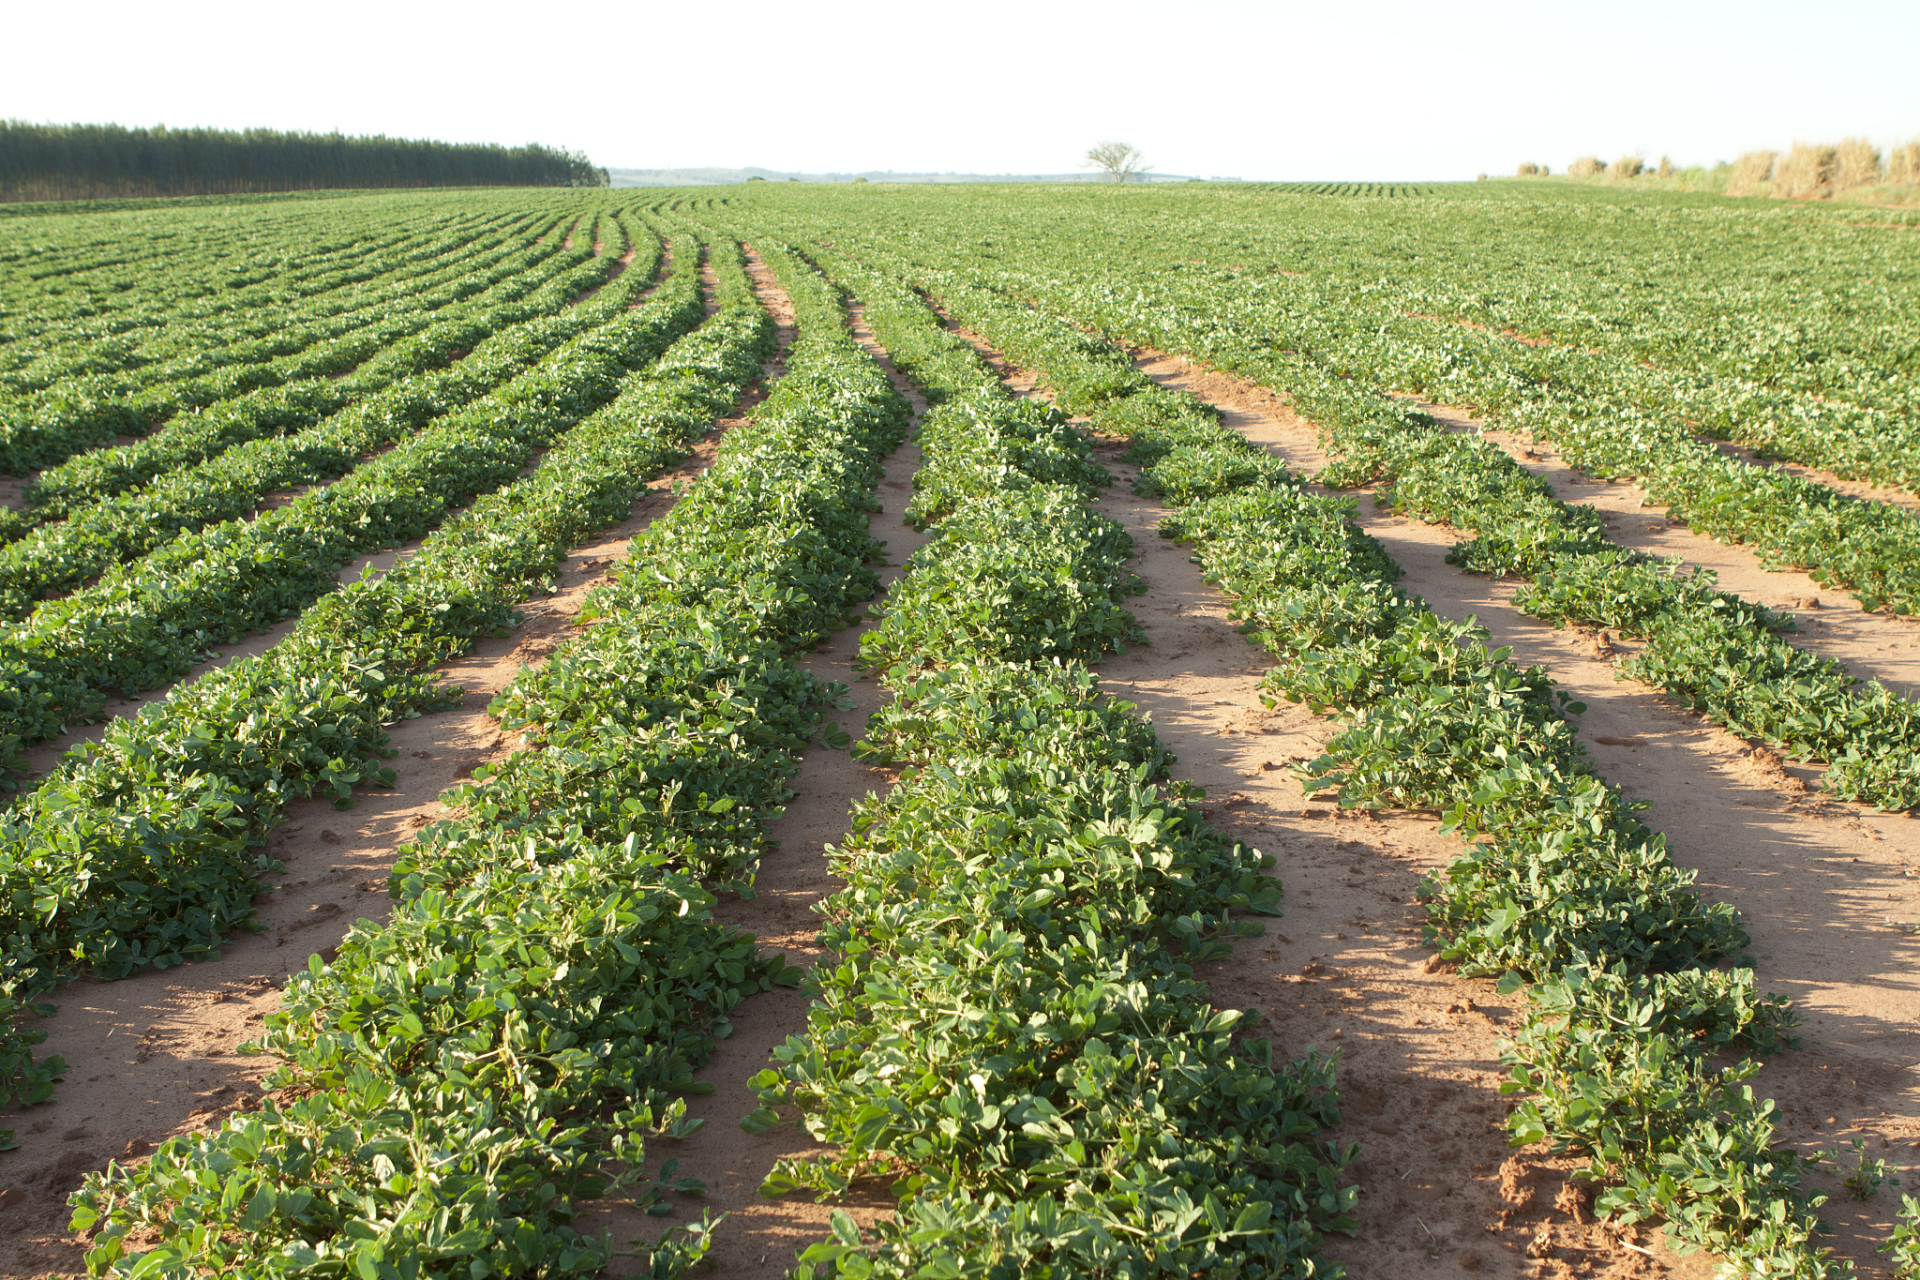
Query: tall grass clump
x,y
1903,163
1751,173
1586,167
1806,171
1857,164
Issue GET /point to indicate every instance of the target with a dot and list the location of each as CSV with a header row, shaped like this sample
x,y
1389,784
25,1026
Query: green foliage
x,y
103,161
1025,575
552,975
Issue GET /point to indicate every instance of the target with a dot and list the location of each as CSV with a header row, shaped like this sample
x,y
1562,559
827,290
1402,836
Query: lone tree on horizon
x,y
1122,160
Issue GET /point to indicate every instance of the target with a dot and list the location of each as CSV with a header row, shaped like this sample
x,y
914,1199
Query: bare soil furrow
x,y
1878,646
760,1237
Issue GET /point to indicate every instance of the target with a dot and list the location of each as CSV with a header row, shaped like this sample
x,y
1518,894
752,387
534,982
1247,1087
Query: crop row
x,y
1624,1054
1617,420
1719,654
142,848
146,623
86,413
1714,652
1308,300
1012,1029
1337,361
552,976
1349,190
164,310
181,336
231,482
193,437
121,368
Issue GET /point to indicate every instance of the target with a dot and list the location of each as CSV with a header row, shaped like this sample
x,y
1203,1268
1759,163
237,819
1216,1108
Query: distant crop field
x,y
1186,729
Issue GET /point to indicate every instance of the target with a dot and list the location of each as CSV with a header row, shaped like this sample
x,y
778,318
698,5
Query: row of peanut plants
x,y
249,272
219,465
59,491
1615,420
1639,998
82,412
144,848
1010,1027
128,365
459,433
1724,656
126,355
1330,310
503,1048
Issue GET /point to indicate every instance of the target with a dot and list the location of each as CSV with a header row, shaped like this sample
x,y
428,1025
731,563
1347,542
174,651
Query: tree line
x,y
107,161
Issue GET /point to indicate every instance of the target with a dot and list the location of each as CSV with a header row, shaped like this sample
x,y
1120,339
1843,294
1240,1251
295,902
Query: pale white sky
x,y
1375,89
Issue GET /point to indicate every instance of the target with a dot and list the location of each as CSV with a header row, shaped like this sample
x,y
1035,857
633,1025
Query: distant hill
x,y
722,177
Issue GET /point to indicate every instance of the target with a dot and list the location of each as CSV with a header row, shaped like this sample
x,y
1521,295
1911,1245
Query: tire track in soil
x,y
760,1237
1812,877
1342,969
153,1055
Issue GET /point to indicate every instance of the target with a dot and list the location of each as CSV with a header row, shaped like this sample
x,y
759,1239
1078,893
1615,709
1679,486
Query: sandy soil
x,y
761,1237
1343,970
1814,878
155,1054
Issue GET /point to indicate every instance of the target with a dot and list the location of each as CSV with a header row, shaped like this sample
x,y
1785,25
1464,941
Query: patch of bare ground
x,y
761,1237
11,489
1815,879
155,1055
1342,970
